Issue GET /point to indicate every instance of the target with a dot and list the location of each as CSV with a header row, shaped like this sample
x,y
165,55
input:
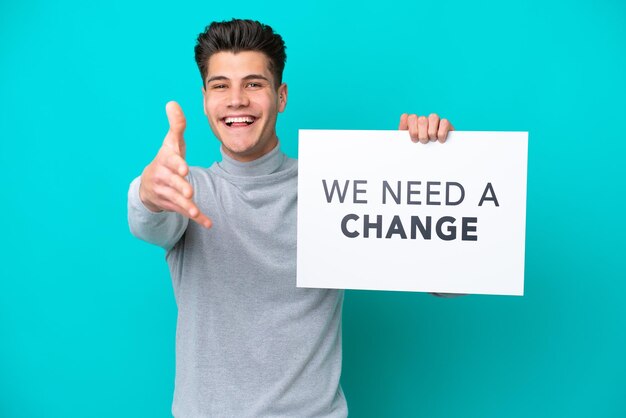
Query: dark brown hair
x,y
238,35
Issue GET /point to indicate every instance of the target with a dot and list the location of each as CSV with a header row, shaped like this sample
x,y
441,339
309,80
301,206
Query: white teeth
x,y
239,119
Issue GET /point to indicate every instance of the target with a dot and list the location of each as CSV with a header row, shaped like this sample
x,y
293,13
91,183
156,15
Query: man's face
x,y
241,103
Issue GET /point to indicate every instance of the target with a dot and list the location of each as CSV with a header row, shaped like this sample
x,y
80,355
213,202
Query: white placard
x,y
430,217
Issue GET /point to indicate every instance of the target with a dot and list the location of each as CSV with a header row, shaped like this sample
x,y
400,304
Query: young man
x,y
248,342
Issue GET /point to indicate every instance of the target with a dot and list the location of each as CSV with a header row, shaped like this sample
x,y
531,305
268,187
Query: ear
x,y
204,101
282,97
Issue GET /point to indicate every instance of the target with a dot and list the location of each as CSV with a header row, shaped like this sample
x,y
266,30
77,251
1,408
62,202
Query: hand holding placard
x,y
425,129
163,186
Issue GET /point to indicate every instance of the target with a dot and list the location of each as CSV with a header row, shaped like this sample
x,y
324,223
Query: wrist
x,y
148,205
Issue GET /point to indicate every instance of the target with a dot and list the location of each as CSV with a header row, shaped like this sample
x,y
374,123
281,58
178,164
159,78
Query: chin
x,y
240,147
242,152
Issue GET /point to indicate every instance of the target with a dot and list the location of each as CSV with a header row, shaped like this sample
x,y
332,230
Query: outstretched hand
x,y
425,129
163,184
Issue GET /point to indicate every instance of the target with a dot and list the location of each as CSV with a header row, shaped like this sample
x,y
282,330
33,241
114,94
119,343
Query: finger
x,y
422,129
174,138
176,164
202,220
404,122
170,199
444,128
176,202
181,185
176,118
433,126
412,122
172,207
175,144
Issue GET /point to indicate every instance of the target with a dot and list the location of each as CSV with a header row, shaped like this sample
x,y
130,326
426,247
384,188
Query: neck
x,y
263,165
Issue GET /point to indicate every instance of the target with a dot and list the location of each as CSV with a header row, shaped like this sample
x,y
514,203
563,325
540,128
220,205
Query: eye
x,y
253,84
218,86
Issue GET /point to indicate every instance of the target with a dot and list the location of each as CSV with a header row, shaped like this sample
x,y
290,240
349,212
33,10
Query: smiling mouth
x,y
236,121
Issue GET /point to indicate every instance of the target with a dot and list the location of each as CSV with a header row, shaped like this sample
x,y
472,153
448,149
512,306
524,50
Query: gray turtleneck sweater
x,y
249,343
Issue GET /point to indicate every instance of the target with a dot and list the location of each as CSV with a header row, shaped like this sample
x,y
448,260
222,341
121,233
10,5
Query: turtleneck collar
x,y
267,164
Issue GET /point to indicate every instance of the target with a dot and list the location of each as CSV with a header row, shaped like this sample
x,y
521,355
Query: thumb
x,y
174,138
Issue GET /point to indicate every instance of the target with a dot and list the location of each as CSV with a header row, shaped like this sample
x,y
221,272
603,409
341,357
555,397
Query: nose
x,y
238,97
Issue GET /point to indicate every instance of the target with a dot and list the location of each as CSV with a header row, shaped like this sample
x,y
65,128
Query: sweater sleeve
x,y
160,228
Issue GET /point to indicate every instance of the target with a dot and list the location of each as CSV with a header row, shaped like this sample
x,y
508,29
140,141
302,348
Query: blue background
x,y
87,314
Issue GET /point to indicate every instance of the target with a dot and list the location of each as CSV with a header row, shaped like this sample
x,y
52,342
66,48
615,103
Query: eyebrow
x,y
248,77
